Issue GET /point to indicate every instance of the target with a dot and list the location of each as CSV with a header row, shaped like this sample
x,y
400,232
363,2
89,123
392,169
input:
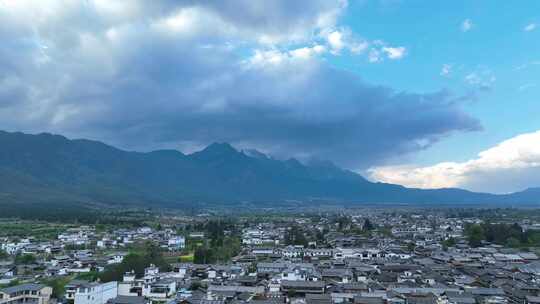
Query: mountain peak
x,y
255,154
220,147
215,150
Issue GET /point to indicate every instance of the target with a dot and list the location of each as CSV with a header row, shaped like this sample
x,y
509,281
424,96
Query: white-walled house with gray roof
x,y
26,293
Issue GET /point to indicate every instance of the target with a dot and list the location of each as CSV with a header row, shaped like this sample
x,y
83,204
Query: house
x,y
319,253
338,275
196,235
53,249
271,267
532,300
300,272
421,298
130,286
161,290
302,287
128,300
263,251
116,258
96,293
176,243
26,293
293,252
216,292
8,271
144,230
180,270
318,298
71,289
11,248
153,285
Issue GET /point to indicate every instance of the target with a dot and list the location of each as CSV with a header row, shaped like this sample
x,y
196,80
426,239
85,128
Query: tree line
x,y
510,235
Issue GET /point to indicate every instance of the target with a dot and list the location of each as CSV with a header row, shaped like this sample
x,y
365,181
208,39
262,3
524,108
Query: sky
x,y
425,94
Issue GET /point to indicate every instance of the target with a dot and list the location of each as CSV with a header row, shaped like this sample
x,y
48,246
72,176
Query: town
x,y
364,256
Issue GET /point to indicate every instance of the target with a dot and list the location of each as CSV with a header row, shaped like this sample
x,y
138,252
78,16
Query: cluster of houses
x,y
78,250
406,263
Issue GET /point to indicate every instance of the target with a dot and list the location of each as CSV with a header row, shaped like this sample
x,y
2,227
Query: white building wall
x,y
98,294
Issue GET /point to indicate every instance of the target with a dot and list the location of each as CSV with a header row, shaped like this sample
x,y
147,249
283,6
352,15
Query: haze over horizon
x,y
430,96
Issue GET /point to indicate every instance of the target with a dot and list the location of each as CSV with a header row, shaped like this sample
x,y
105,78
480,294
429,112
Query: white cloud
x,y
446,69
511,165
466,25
194,21
530,27
379,50
274,57
335,40
263,58
394,52
374,56
442,175
472,78
481,78
343,39
360,47
307,52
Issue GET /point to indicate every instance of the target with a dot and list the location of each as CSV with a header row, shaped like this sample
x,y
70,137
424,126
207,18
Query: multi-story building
x,y
152,286
176,243
26,293
96,293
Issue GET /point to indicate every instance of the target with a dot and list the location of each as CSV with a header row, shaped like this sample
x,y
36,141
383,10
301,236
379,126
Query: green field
x,y
187,258
37,229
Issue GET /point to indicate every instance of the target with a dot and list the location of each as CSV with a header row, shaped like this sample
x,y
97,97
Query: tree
x,y
502,234
88,276
136,262
58,286
252,268
203,255
25,259
344,223
513,242
476,235
195,285
319,235
295,236
368,225
449,242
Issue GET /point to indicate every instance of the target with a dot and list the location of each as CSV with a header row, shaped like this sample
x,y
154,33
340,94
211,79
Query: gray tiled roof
x,y
22,287
127,300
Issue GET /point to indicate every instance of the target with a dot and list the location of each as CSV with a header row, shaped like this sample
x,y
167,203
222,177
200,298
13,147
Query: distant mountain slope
x,y
46,168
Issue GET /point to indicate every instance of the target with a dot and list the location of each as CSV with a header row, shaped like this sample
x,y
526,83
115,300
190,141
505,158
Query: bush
x,y
136,262
25,259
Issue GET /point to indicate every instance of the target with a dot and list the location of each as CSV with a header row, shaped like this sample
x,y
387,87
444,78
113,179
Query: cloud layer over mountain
x,y
182,74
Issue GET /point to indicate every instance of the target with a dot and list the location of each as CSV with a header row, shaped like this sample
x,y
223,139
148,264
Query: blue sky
x,y
431,31
421,93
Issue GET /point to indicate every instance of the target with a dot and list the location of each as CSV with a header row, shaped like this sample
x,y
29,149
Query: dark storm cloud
x,y
136,80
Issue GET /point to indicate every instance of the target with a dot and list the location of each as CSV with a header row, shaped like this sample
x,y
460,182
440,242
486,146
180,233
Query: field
x,y
25,228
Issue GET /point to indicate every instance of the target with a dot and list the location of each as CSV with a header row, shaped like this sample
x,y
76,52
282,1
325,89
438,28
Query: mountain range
x,y
47,168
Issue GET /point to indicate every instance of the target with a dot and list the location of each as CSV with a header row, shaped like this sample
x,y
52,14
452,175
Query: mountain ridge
x,y
46,167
